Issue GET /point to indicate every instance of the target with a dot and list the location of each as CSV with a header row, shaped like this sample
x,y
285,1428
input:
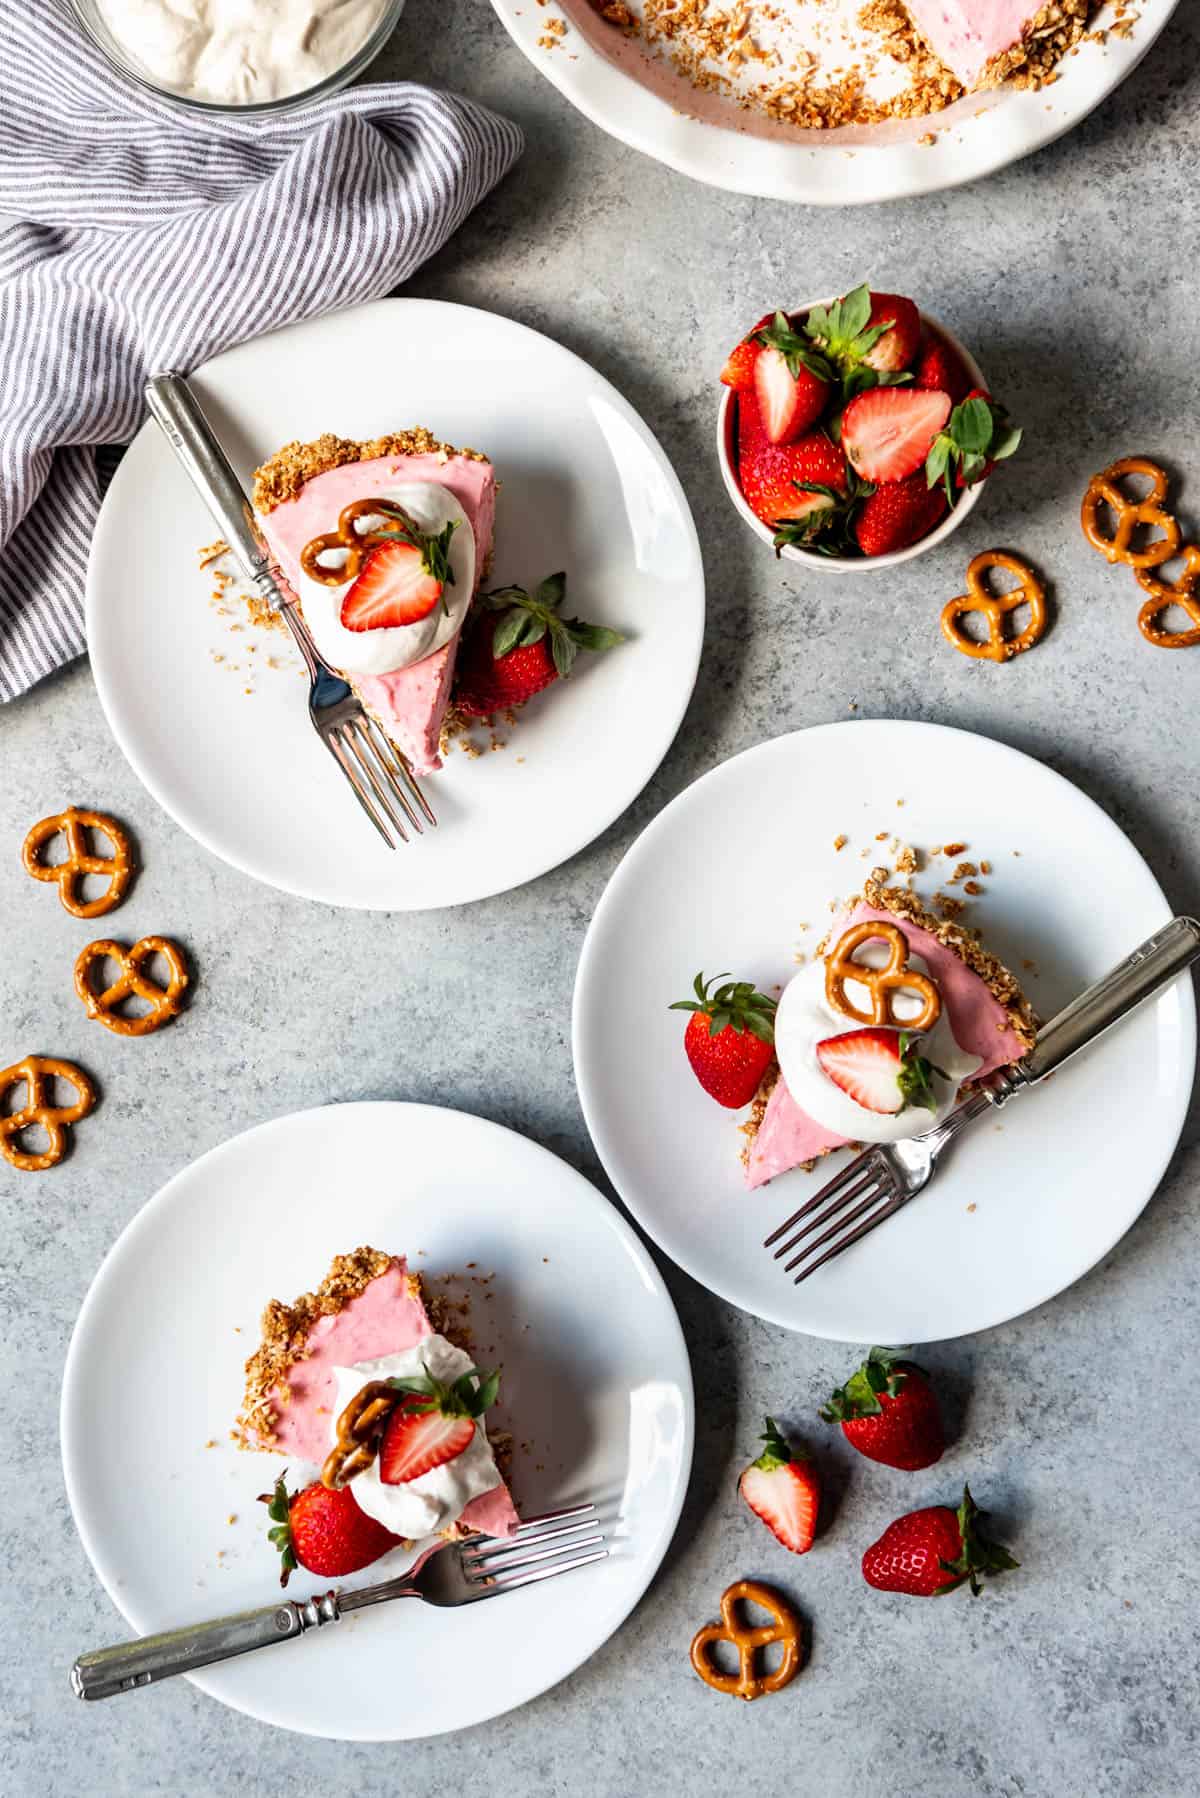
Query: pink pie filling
x,y
967,34
787,1136
385,1318
411,702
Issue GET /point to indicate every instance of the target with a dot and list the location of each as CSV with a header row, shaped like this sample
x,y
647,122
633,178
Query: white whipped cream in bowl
x,y
240,55
431,507
805,1018
430,1503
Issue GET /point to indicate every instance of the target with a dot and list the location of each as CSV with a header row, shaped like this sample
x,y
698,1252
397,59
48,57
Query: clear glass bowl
x,y
88,14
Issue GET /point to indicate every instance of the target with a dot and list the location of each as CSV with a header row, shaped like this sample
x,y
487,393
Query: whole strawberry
x,y
926,1553
898,513
942,369
782,1487
324,1530
730,1038
505,661
889,1412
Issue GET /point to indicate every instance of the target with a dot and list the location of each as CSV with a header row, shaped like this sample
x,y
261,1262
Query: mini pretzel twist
x,y
749,1639
357,544
33,1072
359,1431
164,1001
1105,489
80,859
1179,592
894,976
996,607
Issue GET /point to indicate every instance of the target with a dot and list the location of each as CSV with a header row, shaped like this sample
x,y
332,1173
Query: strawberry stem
x,y
978,1556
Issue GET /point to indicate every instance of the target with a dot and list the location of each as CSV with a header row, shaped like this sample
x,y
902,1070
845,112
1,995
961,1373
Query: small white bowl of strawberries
x,y
855,433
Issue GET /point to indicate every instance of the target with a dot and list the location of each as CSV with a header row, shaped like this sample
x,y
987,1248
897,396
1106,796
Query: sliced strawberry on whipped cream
x,y
400,667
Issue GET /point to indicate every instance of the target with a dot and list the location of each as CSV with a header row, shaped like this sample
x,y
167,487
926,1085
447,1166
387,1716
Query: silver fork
x,y
383,783
457,1574
877,1183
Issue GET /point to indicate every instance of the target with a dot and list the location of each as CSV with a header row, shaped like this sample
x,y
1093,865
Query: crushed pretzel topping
x,y
283,475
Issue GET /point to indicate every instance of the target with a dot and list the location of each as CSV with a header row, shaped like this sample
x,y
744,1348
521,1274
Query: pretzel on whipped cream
x,y
751,1680
357,544
359,1432
1129,515
881,983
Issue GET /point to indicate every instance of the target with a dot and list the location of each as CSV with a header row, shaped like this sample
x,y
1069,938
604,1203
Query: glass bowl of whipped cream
x,y
240,56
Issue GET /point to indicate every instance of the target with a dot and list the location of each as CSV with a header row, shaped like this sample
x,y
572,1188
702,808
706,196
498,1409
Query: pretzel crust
x,y
1105,489
164,1002
996,607
750,1682
55,1120
895,976
80,859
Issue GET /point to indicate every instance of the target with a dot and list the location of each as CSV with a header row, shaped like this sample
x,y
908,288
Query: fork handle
x,y
1152,966
123,1668
173,405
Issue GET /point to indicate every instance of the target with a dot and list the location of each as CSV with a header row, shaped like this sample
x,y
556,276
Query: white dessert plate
x,y
601,1410
640,98
584,487
739,873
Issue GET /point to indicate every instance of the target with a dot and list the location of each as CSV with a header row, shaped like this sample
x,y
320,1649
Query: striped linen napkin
x,y
145,238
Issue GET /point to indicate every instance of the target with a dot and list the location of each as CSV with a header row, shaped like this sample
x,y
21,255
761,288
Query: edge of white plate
x,y
672,716
143,1219
771,170
626,871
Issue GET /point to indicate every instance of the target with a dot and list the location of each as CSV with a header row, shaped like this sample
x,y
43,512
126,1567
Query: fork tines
x,y
868,1184
369,761
542,1547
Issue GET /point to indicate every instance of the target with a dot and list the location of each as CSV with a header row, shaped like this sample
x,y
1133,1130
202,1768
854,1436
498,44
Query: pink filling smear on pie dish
x,y
384,1318
788,1137
411,702
967,34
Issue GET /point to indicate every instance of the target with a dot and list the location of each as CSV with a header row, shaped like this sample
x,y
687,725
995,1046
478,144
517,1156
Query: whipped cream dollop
x,y
805,1018
431,507
240,52
434,1500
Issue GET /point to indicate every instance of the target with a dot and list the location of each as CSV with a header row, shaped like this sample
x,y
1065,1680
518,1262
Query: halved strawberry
x,y
402,579
791,381
880,1069
433,1423
887,432
898,345
782,1487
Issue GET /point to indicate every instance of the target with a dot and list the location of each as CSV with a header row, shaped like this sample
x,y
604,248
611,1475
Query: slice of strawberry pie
x,y
363,1381
384,544
878,1037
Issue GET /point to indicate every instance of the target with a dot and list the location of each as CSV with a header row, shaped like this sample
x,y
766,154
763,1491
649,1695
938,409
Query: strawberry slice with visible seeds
x,y
417,1441
782,1487
394,588
880,1069
433,1423
887,432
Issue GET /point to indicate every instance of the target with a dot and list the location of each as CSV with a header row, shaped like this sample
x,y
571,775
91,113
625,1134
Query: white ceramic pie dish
x,y
641,101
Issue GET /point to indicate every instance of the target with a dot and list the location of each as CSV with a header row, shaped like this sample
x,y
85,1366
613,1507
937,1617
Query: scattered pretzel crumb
x,y
840,841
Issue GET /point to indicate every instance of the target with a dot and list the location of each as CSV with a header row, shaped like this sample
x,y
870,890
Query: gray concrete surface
x,y
1070,275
